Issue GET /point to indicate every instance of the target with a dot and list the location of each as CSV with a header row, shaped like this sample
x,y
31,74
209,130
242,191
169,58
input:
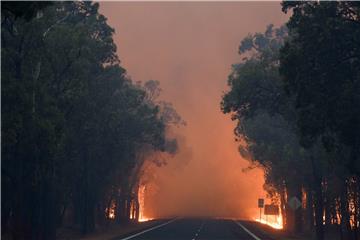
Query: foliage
x,y
73,123
283,108
321,68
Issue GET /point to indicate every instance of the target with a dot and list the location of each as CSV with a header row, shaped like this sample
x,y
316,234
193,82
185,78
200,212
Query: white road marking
x,y
202,225
247,230
198,231
149,229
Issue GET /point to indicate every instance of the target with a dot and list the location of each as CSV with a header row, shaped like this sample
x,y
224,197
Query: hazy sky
x,y
189,47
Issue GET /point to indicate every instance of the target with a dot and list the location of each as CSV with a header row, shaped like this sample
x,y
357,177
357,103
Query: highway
x,y
199,229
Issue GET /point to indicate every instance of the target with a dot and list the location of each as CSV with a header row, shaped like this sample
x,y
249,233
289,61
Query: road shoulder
x,y
114,231
265,232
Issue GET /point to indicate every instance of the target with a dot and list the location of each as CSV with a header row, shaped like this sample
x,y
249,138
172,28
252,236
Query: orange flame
x,y
111,211
272,221
141,196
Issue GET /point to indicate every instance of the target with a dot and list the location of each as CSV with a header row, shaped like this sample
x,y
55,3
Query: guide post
x,y
260,205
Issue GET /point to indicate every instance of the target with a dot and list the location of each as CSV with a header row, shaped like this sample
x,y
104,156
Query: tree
x,y
269,135
265,123
320,65
74,125
322,73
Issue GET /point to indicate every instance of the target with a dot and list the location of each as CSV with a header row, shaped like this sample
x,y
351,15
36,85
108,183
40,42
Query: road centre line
x,y
198,231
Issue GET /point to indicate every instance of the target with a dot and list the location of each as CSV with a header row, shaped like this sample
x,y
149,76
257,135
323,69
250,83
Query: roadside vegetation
x,y
76,130
296,99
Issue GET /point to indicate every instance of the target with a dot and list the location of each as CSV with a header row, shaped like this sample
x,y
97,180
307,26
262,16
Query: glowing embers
x,y
110,212
144,219
141,197
272,221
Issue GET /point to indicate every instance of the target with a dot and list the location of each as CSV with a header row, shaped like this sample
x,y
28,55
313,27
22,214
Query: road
x,y
199,229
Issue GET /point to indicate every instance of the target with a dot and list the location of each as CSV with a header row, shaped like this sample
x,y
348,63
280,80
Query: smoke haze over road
x,y
189,49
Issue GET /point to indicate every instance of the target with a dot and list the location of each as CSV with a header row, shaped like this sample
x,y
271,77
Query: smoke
x,y
204,187
189,49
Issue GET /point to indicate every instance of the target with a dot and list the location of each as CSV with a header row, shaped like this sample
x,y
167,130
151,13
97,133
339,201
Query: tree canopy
x,y
73,124
295,97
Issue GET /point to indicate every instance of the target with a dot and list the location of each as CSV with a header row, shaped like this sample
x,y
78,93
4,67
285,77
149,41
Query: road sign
x,y
271,209
294,203
260,202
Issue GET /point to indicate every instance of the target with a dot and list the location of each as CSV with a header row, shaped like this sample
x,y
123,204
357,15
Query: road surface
x,y
199,229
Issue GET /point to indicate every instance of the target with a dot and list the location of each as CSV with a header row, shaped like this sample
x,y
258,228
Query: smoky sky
x,y
189,48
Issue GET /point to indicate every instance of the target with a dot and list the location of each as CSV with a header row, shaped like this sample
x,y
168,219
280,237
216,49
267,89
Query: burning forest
x,y
180,120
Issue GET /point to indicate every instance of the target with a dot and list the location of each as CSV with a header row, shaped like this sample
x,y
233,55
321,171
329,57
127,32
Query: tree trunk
x,y
128,208
283,207
318,198
137,208
121,208
310,210
294,216
88,205
345,217
49,214
319,227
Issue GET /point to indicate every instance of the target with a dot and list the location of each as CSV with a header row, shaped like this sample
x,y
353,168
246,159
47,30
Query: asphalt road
x,y
199,229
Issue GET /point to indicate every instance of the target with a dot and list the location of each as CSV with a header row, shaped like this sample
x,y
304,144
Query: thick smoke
x,y
189,48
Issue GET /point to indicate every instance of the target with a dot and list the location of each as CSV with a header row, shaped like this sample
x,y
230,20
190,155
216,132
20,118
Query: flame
x,y
110,211
111,214
272,221
144,219
132,210
141,196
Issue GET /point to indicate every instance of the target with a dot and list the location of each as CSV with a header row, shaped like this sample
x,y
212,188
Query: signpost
x,y
271,209
260,202
260,205
294,203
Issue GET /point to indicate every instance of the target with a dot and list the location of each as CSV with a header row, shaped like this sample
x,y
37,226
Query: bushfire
x,y
141,197
137,206
272,221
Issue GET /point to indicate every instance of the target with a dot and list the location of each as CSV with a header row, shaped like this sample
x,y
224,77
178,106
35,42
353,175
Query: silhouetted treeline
x,y
296,99
75,129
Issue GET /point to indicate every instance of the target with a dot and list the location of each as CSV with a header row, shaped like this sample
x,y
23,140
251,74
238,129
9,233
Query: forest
x,y
295,97
76,130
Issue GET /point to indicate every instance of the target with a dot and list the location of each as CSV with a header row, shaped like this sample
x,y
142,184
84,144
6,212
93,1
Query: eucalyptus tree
x,y
320,65
73,123
266,126
263,113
